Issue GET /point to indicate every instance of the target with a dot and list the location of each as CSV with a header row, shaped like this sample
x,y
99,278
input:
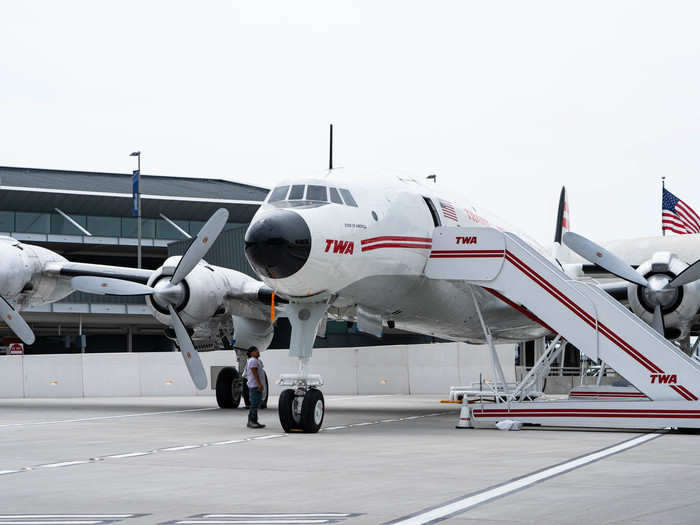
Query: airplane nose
x,y
278,244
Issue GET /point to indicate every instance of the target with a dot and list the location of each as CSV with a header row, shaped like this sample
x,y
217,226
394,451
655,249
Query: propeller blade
x,y
603,258
16,322
690,274
658,322
201,244
109,286
189,354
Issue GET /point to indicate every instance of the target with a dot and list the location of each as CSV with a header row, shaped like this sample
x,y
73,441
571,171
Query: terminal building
x,y
86,217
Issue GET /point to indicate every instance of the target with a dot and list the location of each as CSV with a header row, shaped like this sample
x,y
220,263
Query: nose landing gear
x,y
301,411
302,407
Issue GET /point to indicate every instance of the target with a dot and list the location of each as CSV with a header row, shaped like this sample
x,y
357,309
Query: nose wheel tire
x,y
301,413
228,388
313,409
289,411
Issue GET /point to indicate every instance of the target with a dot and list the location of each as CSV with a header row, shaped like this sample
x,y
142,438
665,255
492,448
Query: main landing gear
x,y
302,407
231,387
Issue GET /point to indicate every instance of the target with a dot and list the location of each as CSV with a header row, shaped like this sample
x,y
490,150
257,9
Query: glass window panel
x,y
165,231
297,192
27,222
347,197
7,221
60,225
130,227
316,193
335,196
104,226
148,228
195,226
278,194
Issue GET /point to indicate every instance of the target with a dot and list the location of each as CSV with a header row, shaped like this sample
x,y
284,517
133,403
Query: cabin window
x,y
347,197
278,194
433,211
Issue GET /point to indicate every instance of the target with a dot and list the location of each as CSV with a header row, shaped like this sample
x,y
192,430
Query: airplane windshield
x,y
297,192
316,193
347,197
310,195
278,194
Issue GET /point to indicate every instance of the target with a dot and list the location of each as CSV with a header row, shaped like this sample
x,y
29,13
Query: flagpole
x,y
663,187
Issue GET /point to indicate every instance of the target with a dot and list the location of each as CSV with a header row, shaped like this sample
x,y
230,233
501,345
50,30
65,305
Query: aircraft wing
x,y
73,269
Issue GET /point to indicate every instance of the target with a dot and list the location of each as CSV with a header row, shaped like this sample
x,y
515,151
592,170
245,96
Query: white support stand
x,y
539,371
495,361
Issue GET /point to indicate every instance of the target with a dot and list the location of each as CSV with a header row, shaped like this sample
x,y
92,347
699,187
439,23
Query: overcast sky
x,y
508,100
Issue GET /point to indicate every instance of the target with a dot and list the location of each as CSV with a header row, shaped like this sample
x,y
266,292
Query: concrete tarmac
x,y
379,459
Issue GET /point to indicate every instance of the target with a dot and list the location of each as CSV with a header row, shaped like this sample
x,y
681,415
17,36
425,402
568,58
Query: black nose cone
x,y
278,245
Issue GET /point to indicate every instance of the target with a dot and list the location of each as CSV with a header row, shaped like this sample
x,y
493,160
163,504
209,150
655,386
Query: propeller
x,y
16,322
690,274
167,293
659,289
603,258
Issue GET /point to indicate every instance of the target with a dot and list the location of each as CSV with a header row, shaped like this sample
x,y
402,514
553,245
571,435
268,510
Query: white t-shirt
x,y
253,362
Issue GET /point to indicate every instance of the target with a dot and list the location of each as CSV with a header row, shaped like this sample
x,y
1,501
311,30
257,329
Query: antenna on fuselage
x,y
330,150
433,176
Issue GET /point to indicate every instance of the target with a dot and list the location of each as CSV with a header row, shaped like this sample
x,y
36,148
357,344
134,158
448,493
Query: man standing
x,y
254,375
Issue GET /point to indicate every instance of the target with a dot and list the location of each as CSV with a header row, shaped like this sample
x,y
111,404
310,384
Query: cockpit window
x,y
335,196
278,194
297,192
316,193
347,197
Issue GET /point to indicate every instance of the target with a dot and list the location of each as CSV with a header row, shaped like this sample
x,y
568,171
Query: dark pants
x,y
255,398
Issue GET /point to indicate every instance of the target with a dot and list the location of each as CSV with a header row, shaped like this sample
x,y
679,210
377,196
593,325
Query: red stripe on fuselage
x,y
397,238
395,245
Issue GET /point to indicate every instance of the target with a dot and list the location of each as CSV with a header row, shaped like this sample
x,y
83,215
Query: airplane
x,y
184,292
339,247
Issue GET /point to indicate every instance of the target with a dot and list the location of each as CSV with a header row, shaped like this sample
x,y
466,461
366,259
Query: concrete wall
x,y
408,369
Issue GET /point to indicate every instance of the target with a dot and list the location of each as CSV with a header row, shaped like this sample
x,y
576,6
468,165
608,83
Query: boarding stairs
x,y
583,314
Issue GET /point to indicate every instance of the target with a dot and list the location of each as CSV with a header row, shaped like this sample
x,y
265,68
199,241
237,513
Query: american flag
x,y
677,216
448,210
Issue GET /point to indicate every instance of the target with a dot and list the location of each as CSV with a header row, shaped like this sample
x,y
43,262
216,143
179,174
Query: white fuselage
x,y
373,256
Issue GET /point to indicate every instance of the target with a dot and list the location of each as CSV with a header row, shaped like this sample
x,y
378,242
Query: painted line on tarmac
x,y
265,518
180,448
361,397
464,503
378,422
64,519
263,521
97,418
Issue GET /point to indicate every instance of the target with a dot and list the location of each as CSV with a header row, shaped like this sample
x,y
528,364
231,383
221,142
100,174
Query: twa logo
x,y
664,378
342,247
466,240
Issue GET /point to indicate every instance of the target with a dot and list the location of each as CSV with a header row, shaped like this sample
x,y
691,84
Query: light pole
x,y
136,197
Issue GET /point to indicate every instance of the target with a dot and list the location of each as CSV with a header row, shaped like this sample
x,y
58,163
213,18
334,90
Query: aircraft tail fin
x,y
560,252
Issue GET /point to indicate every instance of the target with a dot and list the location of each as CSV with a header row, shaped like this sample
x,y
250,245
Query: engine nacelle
x,y
679,306
199,296
252,332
